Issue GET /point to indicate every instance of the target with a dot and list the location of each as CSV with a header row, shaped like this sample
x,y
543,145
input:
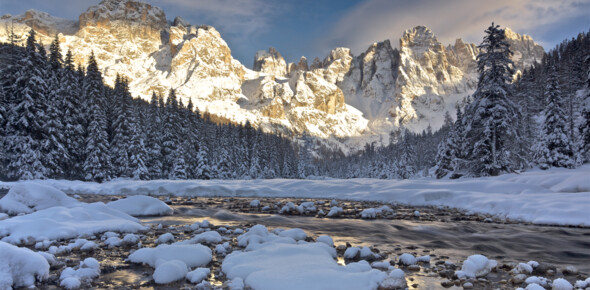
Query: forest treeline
x,y
61,121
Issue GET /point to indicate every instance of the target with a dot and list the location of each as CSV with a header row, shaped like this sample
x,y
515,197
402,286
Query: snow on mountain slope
x,y
352,98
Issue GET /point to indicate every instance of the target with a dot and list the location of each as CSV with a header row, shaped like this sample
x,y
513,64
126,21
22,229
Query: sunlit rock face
x,y
343,96
270,62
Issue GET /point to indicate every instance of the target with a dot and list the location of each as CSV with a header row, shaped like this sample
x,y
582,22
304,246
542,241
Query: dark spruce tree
x,y
74,118
555,145
585,122
97,163
26,116
492,130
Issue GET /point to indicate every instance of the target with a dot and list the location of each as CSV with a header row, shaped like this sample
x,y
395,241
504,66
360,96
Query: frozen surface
x,y
141,205
27,197
20,267
62,223
555,196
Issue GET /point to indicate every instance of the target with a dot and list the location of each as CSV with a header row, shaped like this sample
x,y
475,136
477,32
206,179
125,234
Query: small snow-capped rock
x,y
407,259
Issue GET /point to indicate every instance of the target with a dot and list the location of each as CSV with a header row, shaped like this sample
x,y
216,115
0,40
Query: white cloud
x,y
377,20
246,17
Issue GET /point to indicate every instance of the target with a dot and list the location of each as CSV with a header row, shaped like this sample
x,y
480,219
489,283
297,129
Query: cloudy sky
x,y
313,27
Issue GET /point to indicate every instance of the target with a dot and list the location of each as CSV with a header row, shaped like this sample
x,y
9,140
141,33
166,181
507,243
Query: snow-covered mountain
x,y
344,96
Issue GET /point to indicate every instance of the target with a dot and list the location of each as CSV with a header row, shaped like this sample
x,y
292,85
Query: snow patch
x,y
141,205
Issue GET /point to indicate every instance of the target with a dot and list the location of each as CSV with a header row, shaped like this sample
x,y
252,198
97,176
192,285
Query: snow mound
x,y
298,266
537,280
191,255
211,237
141,205
407,259
28,197
335,211
395,280
20,267
257,235
72,278
351,253
562,284
64,223
476,266
170,271
372,213
198,275
326,240
295,234
165,238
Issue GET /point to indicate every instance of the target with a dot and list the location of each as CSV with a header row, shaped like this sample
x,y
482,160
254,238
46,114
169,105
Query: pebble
x,y
468,285
447,283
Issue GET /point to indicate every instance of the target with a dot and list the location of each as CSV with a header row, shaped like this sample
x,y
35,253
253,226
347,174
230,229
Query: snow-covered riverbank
x,y
557,196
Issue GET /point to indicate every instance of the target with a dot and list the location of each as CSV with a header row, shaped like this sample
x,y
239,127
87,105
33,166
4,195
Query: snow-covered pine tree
x,y
26,116
3,131
154,137
585,122
492,131
204,170
97,163
137,151
122,131
406,164
556,148
54,152
171,132
190,140
74,118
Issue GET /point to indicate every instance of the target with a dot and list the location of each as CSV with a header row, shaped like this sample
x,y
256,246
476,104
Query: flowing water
x,y
458,239
443,233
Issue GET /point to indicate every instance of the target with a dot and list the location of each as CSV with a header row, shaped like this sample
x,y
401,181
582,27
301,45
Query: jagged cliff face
x,y
342,96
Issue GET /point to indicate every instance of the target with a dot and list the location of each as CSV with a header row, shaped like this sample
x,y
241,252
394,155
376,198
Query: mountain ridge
x,y
352,99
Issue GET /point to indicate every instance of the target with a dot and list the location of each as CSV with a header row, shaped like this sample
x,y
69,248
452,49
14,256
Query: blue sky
x,y
313,27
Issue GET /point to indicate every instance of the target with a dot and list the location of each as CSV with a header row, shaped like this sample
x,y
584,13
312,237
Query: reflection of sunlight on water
x,y
214,281
125,277
425,282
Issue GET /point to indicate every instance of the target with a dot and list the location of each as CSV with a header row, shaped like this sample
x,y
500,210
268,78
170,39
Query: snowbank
x,y
273,262
28,197
555,196
63,223
20,267
297,266
141,205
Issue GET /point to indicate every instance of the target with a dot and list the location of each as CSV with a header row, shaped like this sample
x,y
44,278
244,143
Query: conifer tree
x,y
26,116
585,122
122,133
555,148
74,119
137,151
97,163
493,128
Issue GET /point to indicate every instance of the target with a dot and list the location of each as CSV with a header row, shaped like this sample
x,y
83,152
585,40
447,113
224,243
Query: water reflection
x,y
506,242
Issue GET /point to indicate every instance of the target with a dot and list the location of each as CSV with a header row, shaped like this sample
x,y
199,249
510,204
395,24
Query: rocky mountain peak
x,y
270,62
418,37
526,51
128,11
43,22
